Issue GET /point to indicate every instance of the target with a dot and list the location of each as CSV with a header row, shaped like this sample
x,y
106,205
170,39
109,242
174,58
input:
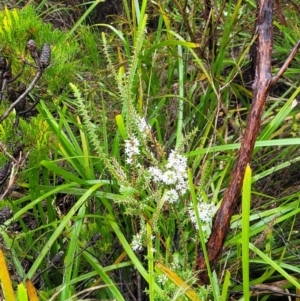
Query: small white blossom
x,y
129,160
131,148
206,213
171,196
182,186
137,242
144,127
177,162
169,177
162,279
174,173
156,173
175,264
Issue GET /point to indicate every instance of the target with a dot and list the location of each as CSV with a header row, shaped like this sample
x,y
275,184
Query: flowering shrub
x,y
166,177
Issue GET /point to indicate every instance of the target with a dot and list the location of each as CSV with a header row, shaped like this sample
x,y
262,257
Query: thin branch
x,y
22,96
267,288
294,51
30,108
14,172
185,20
4,149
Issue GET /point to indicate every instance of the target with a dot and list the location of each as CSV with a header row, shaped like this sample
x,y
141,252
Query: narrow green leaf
x,y
60,228
273,264
65,174
246,200
106,279
138,265
225,287
121,126
22,293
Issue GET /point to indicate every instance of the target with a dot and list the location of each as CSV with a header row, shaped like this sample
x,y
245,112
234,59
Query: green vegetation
x,y
125,158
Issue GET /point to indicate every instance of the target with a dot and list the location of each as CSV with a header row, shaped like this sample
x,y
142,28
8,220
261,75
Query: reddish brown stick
x,y
260,87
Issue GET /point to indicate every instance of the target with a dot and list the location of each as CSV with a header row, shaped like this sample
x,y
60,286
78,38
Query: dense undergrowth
x,y
125,159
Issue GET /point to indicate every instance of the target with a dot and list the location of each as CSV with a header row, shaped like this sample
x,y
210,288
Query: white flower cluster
x,y
132,144
174,174
206,213
162,279
137,244
131,148
143,126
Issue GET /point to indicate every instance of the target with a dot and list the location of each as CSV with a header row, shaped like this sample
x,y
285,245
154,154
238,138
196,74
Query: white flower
x,y
182,186
162,279
144,127
206,213
153,250
175,264
131,148
171,196
169,177
137,242
129,160
156,173
177,162
173,173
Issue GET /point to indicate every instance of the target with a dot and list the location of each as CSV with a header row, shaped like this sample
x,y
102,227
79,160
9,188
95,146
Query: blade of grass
x,y
179,129
188,291
121,126
150,264
106,279
22,293
82,18
258,144
67,148
32,295
273,264
65,174
5,280
71,261
246,200
61,227
225,287
216,292
137,264
279,118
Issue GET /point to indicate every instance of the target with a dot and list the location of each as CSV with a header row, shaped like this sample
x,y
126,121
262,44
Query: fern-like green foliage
x,y
35,137
112,165
38,138
126,82
19,26
90,126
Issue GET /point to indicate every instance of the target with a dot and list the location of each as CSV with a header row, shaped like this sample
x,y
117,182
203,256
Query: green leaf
x,y
60,228
246,201
22,293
